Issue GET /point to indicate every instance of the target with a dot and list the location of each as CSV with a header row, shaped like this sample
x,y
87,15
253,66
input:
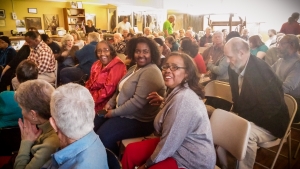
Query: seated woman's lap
x,y
136,154
116,129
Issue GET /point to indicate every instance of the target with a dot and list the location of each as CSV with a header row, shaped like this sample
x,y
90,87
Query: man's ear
x,y
53,124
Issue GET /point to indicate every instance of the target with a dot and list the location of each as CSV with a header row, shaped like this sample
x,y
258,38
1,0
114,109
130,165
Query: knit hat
x,y
5,39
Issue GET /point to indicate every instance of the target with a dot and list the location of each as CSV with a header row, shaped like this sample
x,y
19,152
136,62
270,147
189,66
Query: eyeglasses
x,y
102,51
172,67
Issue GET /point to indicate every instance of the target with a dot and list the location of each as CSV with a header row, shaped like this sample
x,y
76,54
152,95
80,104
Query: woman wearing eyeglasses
x,y
182,124
129,113
105,74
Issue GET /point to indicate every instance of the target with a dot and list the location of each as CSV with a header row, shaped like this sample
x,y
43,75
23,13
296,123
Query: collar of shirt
x,y
75,148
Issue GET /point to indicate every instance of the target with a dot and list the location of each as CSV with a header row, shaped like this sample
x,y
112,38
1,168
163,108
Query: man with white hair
x,y
125,33
190,34
118,44
217,62
147,31
86,58
245,34
168,25
72,119
257,96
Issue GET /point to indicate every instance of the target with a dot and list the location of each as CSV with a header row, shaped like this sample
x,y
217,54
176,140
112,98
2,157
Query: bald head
x,y
237,52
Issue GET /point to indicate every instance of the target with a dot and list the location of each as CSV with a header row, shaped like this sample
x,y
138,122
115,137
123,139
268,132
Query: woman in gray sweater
x,y
182,124
129,113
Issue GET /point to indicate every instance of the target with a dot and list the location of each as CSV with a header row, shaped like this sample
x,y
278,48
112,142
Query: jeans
x,y
70,74
112,130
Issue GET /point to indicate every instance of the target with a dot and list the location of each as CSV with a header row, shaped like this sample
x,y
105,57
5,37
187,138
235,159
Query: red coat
x,y
290,28
103,81
198,59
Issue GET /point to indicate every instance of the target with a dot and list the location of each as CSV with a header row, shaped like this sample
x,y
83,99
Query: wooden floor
x,y
265,157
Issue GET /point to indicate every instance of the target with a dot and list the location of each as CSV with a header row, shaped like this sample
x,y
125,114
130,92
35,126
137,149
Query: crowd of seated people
x,y
152,91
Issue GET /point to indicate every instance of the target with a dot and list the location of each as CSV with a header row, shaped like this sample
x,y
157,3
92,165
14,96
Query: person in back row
x,y
54,46
86,58
257,96
72,120
42,55
292,26
287,68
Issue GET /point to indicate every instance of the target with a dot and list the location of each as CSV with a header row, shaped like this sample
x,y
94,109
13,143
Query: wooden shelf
x,y
72,18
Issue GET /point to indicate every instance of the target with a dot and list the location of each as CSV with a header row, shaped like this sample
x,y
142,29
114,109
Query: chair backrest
x,y
231,132
112,160
218,89
291,104
122,56
10,139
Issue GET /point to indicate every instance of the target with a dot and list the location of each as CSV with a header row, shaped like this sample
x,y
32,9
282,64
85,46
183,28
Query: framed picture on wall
x,y
79,4
51,22
33,22
2,13
32,10
2,22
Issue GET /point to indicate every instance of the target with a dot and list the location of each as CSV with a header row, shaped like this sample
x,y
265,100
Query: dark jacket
x,y
261,99
86,57
203,40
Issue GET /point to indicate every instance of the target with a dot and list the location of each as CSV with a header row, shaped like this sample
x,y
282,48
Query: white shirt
x,y
123,25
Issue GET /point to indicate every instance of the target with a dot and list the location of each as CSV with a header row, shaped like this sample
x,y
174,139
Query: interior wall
x,y
46,7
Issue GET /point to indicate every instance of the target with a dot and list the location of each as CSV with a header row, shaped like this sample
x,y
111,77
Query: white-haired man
x,y
257,96
206,40
119,44
147,31
72,119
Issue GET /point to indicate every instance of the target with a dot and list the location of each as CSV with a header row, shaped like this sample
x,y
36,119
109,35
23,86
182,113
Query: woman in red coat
x,y
105,74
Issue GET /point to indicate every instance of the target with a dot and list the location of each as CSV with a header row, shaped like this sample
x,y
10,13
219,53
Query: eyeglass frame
x,y
169,67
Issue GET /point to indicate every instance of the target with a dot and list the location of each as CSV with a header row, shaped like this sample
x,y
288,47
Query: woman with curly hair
x,y
129,113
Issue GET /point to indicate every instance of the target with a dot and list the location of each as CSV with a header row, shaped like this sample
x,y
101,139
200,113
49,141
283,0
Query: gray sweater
x,y
288,69
185,131
132,102
220,68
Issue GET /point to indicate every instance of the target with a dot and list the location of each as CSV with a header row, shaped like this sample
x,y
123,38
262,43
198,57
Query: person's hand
x,y
155,99
108,114
142,167
29,131
107,107
210,60
65,53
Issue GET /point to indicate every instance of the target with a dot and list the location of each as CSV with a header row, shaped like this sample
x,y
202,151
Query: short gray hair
x,y
72,108
94,37
35,95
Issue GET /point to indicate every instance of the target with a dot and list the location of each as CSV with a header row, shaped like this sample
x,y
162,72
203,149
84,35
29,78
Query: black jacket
x,y
261,100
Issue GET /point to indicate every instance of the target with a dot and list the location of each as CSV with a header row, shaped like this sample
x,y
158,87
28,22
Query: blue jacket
x,y
87,152
86,57
10,111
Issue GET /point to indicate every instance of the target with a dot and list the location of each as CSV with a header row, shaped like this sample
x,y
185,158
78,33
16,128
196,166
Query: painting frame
x,y
79,4
33,22
2,14
2,22
32,10
51,21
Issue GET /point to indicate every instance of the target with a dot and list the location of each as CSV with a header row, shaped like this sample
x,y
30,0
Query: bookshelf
x,y
73,17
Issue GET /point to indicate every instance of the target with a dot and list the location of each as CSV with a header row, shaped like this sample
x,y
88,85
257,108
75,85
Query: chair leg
x,y
277,154
290,150
296,153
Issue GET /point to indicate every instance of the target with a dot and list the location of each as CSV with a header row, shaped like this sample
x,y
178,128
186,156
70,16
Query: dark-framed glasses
x,y
172,67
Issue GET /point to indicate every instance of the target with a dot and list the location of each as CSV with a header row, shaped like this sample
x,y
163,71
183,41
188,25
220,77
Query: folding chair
x,y
292,107
112,160
231,133
218,95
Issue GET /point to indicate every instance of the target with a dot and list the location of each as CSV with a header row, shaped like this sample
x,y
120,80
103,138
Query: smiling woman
x,y
105,74
129,114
